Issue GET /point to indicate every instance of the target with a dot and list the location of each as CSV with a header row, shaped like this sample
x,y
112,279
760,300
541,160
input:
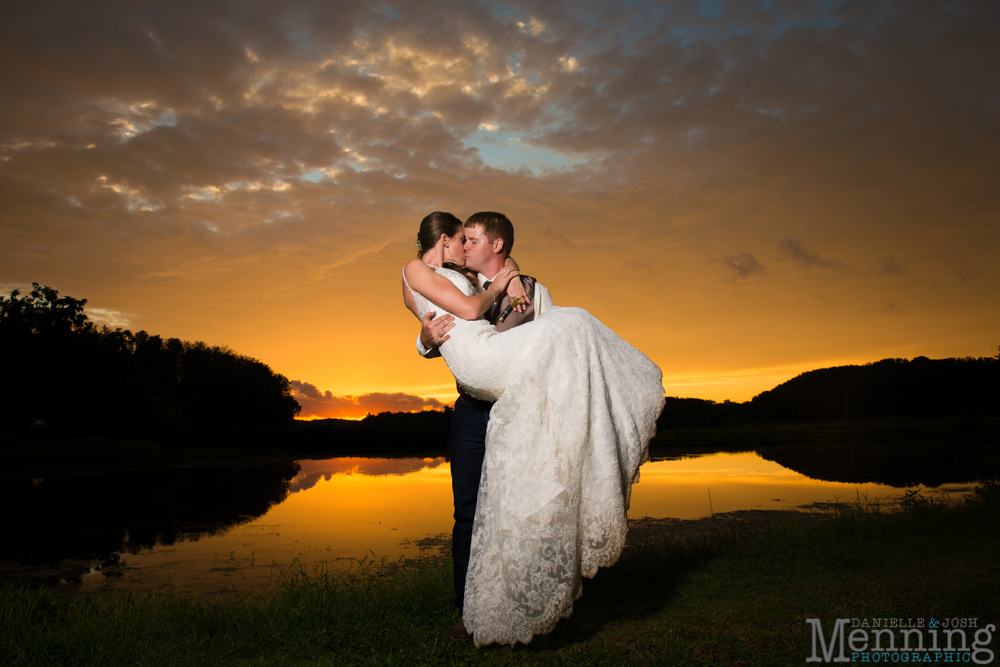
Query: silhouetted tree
x,y
77,379
41,335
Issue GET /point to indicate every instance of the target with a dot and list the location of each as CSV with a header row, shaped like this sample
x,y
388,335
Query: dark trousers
x,y
468,447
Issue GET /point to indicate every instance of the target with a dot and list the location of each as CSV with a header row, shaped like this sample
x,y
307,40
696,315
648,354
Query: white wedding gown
x,y
575,409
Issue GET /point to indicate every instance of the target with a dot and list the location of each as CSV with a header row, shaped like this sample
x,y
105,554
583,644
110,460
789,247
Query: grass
x,y
739,598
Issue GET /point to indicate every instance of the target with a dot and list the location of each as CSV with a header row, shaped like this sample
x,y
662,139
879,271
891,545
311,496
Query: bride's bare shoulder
x,y
415,267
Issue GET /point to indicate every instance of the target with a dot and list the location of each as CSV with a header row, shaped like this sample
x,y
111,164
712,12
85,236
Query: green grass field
x,y
739,599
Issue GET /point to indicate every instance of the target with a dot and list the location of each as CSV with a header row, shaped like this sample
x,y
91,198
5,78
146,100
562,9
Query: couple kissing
x,y
554,417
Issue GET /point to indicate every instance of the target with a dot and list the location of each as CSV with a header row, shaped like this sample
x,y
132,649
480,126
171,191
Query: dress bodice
x,y
471,352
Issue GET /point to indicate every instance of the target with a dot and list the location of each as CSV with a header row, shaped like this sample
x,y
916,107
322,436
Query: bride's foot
x,y
459,632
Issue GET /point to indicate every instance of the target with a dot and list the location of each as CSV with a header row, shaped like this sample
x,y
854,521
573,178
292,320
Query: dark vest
x,y
515,318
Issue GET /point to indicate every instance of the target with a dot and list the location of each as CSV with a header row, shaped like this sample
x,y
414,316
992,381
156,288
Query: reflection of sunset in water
x,y
349,507
346,508
682,488
311,471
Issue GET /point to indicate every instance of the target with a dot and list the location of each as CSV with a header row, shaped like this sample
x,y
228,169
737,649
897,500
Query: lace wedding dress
x,y
575,408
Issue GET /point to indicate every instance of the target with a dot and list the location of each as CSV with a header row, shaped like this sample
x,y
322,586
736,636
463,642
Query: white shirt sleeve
x,y
542,299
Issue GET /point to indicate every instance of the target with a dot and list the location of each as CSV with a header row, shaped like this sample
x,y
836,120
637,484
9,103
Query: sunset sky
x,y
742,190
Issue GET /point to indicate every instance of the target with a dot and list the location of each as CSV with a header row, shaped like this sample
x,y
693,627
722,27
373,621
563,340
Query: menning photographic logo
x,y
903,640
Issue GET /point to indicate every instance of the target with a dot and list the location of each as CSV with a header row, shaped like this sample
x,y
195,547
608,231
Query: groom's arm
x,y
433,333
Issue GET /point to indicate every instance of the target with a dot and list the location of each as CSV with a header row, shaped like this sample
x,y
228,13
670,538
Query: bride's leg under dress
x,y
563,448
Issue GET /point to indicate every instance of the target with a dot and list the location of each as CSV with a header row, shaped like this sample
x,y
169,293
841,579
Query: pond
x,y
205,529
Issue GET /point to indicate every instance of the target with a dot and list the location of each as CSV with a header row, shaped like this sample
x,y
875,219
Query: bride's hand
x,y
503,280
515,290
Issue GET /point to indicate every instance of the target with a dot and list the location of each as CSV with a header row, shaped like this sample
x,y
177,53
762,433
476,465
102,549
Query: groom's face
x,y
478,249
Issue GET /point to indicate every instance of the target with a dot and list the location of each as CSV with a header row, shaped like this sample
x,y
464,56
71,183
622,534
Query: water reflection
x,y
892,465
312,471
202,529
343,509
692,487
52,529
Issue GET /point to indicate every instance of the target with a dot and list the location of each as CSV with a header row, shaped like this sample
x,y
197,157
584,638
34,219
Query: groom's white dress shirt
x,y
541,301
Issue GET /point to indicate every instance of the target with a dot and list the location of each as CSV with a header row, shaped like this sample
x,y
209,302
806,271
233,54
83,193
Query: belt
x,y
479,403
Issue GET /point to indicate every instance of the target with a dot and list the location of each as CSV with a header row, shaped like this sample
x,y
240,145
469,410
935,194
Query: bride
x,y
575,408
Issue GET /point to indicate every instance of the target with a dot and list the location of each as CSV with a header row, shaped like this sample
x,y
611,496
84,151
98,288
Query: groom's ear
x,y
497,245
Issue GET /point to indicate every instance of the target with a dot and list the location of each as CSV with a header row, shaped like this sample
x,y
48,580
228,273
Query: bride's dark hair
x,y
432,227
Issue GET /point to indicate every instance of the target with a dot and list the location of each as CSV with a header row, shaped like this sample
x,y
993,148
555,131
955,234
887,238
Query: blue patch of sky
x,y
167,118
301,36
362,68
642,20
507,12
821,16
553,110
313,176
655,20
510,151
204,196
710,8
514,62
392,14
637,20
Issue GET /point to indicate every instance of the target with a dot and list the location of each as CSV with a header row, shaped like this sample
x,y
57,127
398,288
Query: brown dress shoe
x,y
459,632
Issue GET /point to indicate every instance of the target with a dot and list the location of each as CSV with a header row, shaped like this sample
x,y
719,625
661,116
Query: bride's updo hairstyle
x,y
432,227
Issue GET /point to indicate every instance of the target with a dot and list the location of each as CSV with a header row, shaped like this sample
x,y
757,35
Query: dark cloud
x,y
889,267
891,307
743,265
968,271
794,250
316,403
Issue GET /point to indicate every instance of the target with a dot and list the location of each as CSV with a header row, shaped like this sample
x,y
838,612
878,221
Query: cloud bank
x,y
325,405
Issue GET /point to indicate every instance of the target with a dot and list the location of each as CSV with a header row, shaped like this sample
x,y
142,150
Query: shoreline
x,y
711,531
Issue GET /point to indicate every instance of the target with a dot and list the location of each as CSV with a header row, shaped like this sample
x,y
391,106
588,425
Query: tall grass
x,y
311,609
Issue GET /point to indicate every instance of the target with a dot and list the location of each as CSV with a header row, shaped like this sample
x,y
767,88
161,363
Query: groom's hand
x,y
434,332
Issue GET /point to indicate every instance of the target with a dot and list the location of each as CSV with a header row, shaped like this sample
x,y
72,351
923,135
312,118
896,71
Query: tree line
x,y
67,376
64,374
920,387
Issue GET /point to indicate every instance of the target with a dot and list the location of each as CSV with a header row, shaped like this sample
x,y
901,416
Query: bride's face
x,y
454,248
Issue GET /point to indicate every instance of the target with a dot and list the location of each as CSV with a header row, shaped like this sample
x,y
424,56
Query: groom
x,y
489,240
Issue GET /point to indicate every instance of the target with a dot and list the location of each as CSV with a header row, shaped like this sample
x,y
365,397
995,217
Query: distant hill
x,y
920,387
889,388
